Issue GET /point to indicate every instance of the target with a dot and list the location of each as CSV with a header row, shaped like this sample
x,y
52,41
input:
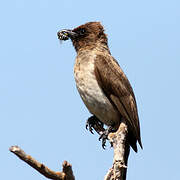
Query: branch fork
x,y
66,174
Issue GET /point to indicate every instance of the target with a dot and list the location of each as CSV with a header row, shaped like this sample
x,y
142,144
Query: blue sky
x,y
40,108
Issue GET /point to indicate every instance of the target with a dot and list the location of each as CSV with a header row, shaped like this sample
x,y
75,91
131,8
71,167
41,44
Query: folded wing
x,y
117,88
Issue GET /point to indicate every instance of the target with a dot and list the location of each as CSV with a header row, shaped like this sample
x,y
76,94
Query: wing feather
x,y
117,88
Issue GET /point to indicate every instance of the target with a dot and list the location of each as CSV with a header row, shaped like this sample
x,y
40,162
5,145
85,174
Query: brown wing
x,y
117,88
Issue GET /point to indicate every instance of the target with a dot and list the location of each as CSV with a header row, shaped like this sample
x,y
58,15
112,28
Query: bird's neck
x,y
98,46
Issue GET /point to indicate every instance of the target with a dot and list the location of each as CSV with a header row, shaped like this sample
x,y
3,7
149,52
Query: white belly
x,y
92,95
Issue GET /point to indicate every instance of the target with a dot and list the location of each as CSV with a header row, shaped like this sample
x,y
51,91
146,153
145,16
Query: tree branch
x,y
121,153
66,174
117,172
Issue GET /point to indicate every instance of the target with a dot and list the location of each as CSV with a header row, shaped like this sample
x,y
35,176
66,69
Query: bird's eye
x,y
81,31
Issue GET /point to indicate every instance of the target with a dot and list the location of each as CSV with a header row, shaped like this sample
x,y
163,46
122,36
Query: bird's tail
x,y
127,151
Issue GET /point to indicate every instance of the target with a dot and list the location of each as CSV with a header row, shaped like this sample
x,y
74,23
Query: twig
x,y
121,153
66,174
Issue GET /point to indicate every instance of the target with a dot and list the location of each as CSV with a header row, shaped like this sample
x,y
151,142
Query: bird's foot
x,y
94,123
104,135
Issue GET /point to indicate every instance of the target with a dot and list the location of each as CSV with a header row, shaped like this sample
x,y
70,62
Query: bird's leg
x,y
94,123
104,135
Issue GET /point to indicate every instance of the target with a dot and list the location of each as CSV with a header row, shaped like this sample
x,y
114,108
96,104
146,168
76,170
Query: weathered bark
x,y
121,153
117,172
66,174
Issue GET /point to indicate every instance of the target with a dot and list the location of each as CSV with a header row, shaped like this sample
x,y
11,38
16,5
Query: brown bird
x,y
102,85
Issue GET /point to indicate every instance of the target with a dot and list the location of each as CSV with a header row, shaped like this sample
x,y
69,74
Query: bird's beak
x,y
65,34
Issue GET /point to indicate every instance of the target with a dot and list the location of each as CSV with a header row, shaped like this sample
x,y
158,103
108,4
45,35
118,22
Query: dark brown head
x,y
85,36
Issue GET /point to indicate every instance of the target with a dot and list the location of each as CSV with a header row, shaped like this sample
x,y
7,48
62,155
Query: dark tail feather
x,y
140,143
127,150
131,139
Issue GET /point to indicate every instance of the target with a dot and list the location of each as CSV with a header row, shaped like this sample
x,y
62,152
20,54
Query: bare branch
x,y
121,153
117,172
66,174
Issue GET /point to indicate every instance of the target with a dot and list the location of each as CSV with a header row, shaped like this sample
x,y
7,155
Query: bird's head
x,y
85,36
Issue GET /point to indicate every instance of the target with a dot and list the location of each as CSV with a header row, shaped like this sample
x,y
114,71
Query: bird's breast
x,y
91,93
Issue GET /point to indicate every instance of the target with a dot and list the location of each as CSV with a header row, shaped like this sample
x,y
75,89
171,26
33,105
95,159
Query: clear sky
x,y
40,108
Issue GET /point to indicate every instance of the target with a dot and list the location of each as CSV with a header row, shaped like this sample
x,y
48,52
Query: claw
x,y
87,125
93,123
90,124
104,136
